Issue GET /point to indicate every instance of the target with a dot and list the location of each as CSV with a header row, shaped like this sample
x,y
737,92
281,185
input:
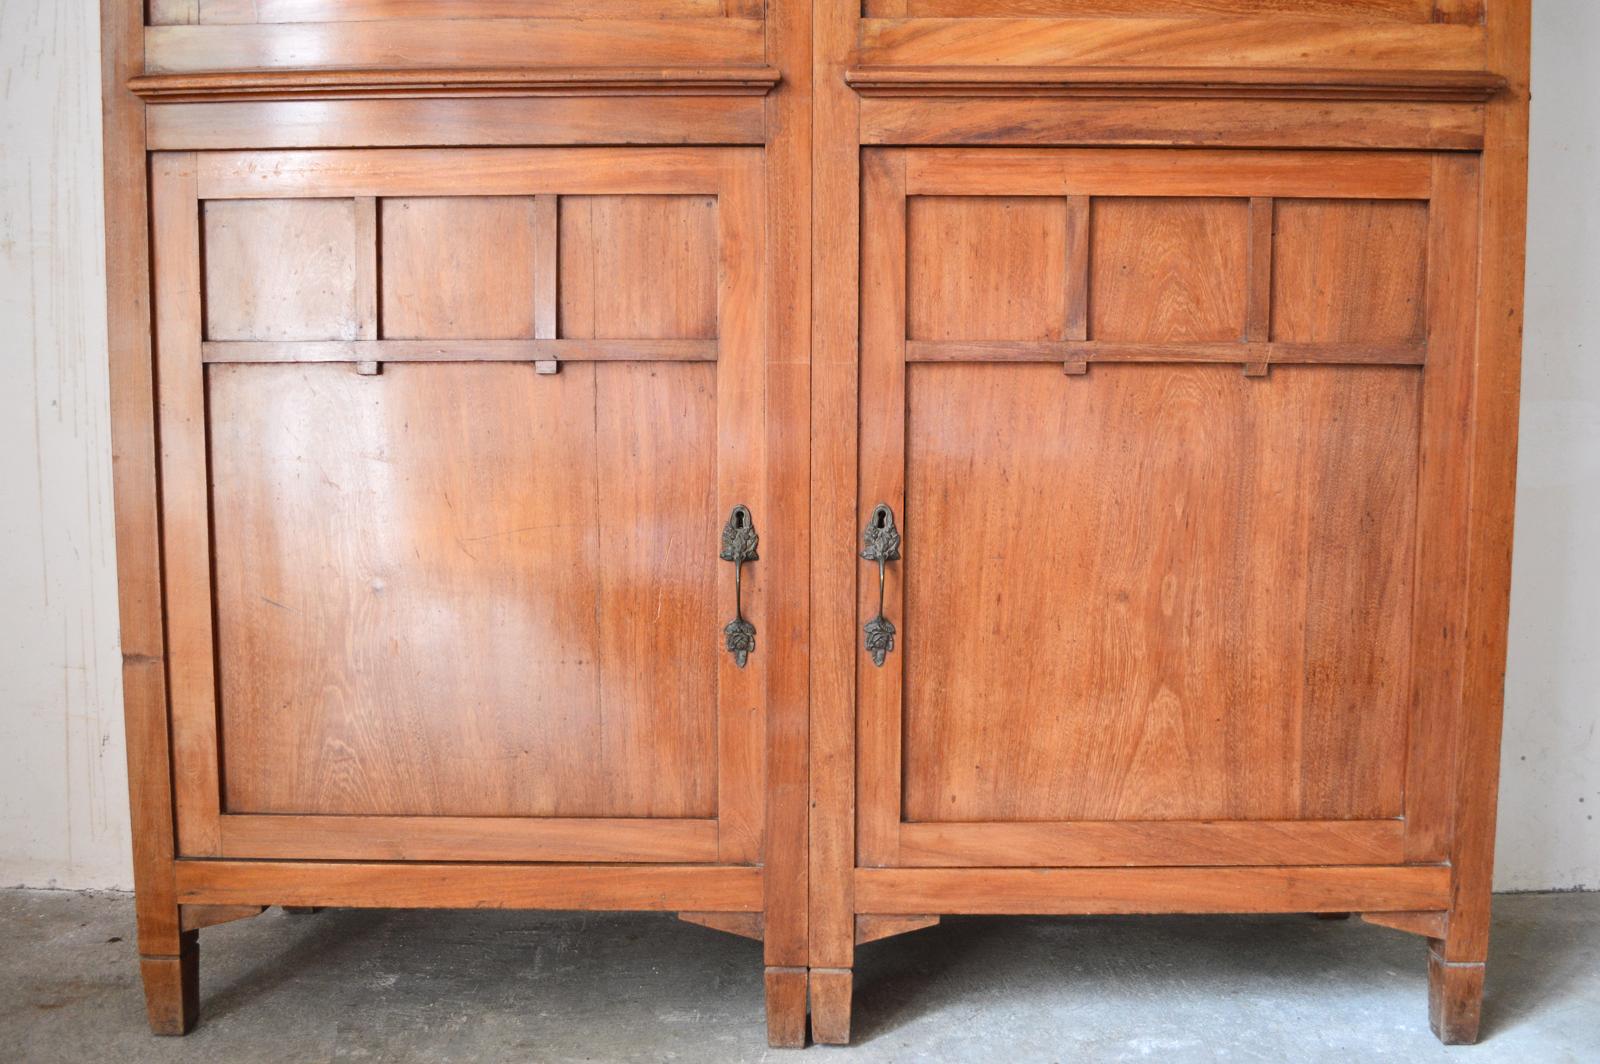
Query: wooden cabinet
x,y
814,468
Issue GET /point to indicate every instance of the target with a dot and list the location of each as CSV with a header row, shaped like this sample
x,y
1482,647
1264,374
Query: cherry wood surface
x,y
1182,337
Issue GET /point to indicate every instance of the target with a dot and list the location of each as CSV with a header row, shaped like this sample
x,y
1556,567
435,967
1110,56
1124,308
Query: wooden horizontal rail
x,y
424,838
257,351
473,122
1430,86
455,43
1115,891
370,885
393,172
1084,844
1405,354
1145,172
422,82
1264,41
1041,120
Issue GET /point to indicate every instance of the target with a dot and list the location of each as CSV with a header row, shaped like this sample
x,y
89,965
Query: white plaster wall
x,y
63,813
1550,787
63,780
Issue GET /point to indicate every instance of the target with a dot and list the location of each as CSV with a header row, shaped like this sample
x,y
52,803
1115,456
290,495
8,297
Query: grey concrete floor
x,y
492,986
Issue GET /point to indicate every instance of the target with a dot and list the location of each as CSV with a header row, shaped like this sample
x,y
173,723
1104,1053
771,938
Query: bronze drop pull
x,y
739,541
880,543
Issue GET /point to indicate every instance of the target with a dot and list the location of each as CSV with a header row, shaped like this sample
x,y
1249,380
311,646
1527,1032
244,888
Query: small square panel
x,y
986,268
280,269
1349,271
458,268
1169,270
639,267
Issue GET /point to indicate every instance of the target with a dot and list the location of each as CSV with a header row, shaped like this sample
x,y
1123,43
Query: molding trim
x,y
419,83
1427,86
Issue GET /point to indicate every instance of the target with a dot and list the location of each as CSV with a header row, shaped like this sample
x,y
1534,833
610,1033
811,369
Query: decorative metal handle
x,y
880,543
739,541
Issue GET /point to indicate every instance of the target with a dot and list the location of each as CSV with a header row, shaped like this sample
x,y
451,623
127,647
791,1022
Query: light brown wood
x,y
172,987
245,11
454,83
457,43
1455,998
1426,924
836,220
1275,41
497,838
418,885
461,350
1088,843
1397,10
1112,891
464,326
196,917
786,1006
831,989
871,928
745,925
171,982
449,121
1255,83
1190,122
786,185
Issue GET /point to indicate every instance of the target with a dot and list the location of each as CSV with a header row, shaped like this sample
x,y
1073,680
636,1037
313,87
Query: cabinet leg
x,y
831,991
1455,998
172,987
786,1008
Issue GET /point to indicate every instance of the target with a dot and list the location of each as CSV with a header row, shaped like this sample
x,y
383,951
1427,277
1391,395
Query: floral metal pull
x,y
880,543
739,541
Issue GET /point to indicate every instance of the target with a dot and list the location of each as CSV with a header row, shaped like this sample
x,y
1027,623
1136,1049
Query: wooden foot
x,y
831,990
172,987
1455,999
786,1008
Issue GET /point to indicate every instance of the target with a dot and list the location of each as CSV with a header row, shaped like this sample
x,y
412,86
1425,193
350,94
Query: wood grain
x,y
1248,568
1088,844
444,42
472,629
416,885
1239,41
1397,10
1113,891
1162,122
633,120
1168,270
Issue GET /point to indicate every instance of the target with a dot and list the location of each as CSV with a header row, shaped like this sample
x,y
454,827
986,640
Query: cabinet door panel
x,y
1158,461
470,597
462,431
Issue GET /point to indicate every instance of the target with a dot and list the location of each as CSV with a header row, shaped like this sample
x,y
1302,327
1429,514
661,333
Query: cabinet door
x,y
1170,441
448,443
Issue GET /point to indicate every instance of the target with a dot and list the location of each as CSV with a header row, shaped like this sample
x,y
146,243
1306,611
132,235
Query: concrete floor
x,y
490,986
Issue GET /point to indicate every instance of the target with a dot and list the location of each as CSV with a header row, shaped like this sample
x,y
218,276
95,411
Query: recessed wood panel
x,y
1398,10
1168,269
246,11
466,590
280,269
1157,592
1349,270
639,267
458,267
986,268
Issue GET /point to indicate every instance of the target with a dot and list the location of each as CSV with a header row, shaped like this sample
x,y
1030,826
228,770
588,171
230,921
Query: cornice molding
x,y
1429,86
423,83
